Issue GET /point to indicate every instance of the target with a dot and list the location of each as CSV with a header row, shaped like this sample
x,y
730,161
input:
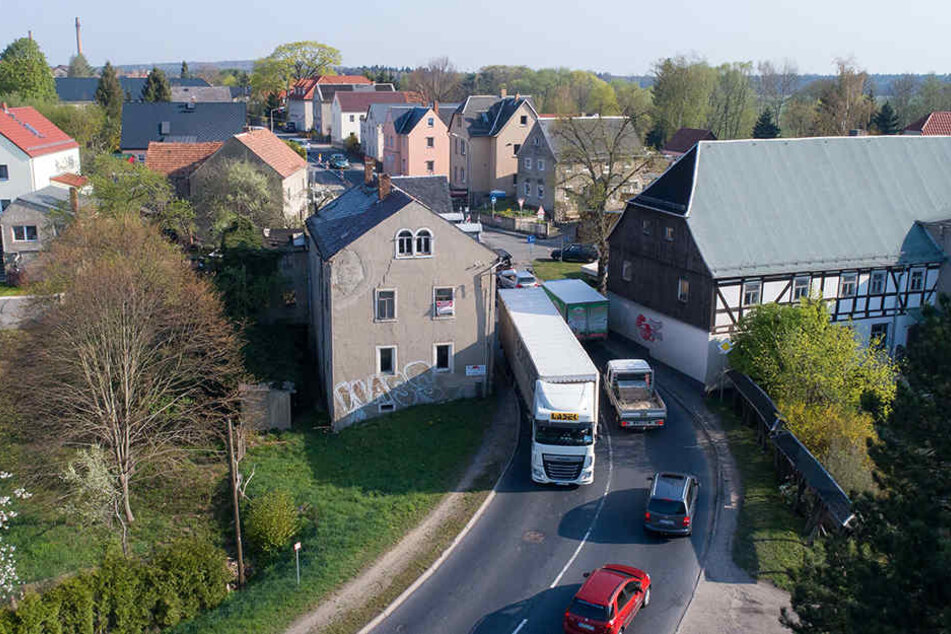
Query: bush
x,y
193,578
271,522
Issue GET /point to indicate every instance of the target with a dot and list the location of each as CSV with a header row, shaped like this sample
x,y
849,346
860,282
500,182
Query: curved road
x,y
519,566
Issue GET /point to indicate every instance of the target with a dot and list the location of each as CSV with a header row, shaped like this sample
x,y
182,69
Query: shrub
x,y
271,522
193,577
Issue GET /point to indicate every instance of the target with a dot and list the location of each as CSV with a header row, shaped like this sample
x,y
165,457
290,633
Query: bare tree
x,y
129,351
605,154
436,81
777,85
903,91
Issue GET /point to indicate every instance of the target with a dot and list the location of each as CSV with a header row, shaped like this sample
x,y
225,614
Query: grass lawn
x,y
768,540
9,291
361,490
555,270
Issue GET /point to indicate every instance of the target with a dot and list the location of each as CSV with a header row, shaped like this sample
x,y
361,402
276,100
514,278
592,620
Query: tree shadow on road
x,y
543,611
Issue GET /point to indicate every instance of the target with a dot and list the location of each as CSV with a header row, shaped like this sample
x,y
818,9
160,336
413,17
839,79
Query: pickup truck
x,y
633,395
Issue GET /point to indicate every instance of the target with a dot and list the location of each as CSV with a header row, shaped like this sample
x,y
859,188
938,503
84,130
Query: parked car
x,y
585,253
290,126
515,278
505,259
608,601
671,503
339,162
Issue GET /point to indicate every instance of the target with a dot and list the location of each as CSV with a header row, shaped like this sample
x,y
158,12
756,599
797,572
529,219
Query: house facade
x,y
305,99
178,161
486,133
349,110
735,224
415,142
936,123
402,304
32,151
29,223
371,129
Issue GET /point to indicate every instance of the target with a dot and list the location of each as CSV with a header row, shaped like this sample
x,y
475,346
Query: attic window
x,y
535,141
523,120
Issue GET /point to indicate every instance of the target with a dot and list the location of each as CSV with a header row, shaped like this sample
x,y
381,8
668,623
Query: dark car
x,y
339,162
290,126
608,601
505,259
671,503
585,253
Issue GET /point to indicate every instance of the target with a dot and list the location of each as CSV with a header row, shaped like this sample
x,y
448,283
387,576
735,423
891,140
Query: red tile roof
x,y
937,123
303,89
360,101
178,159
72,180
273,151
32,132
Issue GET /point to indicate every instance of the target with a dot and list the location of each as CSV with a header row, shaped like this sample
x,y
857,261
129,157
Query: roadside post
x,y
297,558
531,246
724,348
493,199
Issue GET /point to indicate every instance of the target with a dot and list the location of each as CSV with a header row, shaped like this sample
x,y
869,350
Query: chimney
x,y
79,41
503,93
369,163
3,107
74,200
385,186
436,107
518,96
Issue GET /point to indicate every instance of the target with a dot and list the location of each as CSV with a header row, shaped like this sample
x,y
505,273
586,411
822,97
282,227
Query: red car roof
x,y
601,584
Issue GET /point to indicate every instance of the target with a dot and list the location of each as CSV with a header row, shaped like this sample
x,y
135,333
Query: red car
x,y
608,601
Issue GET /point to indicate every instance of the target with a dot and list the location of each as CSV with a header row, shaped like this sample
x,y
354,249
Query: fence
x,y
818,495
521,225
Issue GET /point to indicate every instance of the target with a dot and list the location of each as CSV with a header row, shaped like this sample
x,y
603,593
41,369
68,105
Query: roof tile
x,y
273,151
33,133
178,159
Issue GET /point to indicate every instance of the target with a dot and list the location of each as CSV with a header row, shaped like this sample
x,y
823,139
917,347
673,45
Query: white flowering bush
x,y
8,569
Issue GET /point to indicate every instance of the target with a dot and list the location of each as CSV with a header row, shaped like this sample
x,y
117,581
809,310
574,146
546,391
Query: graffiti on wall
x,y
413,385
649,329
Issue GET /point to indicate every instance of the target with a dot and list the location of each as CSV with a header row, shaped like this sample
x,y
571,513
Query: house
x,y
60,71
940,231
551,175
734,224
143,123
178,161
32,220
433,192
286,170
416,142
937,123
402,304
350,108
486,133
309,100
80,90
684,139
371,128
32,150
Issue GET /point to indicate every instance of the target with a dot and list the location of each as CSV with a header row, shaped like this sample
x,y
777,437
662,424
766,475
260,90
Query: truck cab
x,y
633,394
564,429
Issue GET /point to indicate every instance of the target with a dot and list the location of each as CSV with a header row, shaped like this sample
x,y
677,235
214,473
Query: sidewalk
x,y
726,599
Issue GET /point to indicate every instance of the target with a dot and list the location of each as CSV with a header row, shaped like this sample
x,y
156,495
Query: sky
x,y
623,37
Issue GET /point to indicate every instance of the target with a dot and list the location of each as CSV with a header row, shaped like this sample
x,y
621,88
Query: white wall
x,y
49,165
301,113
20,178
342,126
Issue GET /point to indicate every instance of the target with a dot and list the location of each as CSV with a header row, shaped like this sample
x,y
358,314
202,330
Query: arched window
x,y
404,244
424,242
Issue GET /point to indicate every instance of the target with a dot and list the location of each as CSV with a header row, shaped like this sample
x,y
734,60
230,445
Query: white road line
x,y
520,626
594,520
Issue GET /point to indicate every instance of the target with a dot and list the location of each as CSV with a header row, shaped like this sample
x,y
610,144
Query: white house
x,y
349,109
371,129
32,150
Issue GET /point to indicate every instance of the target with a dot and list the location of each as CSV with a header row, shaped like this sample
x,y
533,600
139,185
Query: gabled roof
x,y
431,191
201,93
360,101
178,159
934,123
49,198
685,138
446,111
599,134
32,133
74,89
343,79
273,151
405,122
141,122
766,206
486,115
377,112
309,87
351,215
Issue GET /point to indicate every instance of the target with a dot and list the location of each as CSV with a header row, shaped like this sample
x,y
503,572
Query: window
x,y
442,357
515,149
444,304
430,122
683,289
386,360
24,233
669,234
462,145
528,189
847,284
646,227
535,141
541,190
4,173
424,242
404,244
523,120
751,292
430,166
430,141
515,178
385,304
528,163
916,283
351,119
627,270
879,334
800,288
876,285
541,165
462,172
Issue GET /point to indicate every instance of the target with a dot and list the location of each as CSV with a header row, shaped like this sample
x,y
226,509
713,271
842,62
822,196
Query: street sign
x,y
725,346
530,239
493,199
297,546
475,370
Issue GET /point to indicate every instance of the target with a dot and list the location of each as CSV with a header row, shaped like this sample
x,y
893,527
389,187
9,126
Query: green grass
x,y
9,291
768,539
361,491
554,270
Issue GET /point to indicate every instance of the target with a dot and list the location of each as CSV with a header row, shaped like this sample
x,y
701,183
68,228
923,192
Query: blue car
x,y
339,162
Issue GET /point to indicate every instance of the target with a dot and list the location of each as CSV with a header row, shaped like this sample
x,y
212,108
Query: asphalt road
x,y
519,566
522,252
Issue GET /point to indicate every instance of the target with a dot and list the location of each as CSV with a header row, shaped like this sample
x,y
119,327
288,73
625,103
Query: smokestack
x,y
369,163
74,200
385,186
79,40
29,34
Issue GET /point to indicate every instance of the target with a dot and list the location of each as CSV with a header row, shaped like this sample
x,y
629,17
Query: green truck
x,y
585,309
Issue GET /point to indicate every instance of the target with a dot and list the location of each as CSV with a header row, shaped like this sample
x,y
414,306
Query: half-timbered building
x,y
734,224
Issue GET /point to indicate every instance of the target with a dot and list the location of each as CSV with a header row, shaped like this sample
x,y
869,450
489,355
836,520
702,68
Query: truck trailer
x,y
558,384
585,309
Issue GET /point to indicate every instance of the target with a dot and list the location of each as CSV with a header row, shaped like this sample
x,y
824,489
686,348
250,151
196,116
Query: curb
x,y
398,601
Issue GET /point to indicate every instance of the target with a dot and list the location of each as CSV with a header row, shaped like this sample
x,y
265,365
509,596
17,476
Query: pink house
x,y
415,142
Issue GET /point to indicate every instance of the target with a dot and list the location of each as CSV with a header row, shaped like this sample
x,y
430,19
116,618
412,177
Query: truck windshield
x,y
573,436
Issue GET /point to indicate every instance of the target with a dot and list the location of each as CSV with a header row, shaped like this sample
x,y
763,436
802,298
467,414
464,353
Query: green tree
x,y
109,93
24,70
156,86
766,127
79,67
886,120
682,90
290,62
184,73
236,189
844,103
732,101
83,123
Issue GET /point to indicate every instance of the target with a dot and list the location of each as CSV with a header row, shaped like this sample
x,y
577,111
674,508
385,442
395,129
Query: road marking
x,y
520,626
597,513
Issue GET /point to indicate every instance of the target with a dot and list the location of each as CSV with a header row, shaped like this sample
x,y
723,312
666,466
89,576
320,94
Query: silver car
x,y
671,503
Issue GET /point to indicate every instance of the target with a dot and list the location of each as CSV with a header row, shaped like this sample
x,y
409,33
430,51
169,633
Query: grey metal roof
x,y
201,93
76,89
141,122
760,207
351,215
446,111
432,191
48,198
599,133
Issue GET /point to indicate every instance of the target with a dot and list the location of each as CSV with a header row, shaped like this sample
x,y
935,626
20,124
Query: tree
x,y
129,350
886,120
844,104
85,124
24,70
892,573
608,152
438,80
184,74
766,127
731,101
236,189
156,86
79,67
291,62
682,91
109,93
8,569
902,93
777,85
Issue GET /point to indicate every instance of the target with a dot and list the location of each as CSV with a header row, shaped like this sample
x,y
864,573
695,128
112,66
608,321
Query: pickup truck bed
x,y
637,413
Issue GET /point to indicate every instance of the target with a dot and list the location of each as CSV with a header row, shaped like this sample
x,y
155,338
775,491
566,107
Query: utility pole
x,y
233,469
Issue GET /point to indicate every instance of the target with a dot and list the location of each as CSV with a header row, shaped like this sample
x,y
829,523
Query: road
x,y
517,569
522,252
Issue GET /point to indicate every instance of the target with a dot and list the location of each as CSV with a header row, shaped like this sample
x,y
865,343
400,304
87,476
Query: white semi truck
x,y
557,382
